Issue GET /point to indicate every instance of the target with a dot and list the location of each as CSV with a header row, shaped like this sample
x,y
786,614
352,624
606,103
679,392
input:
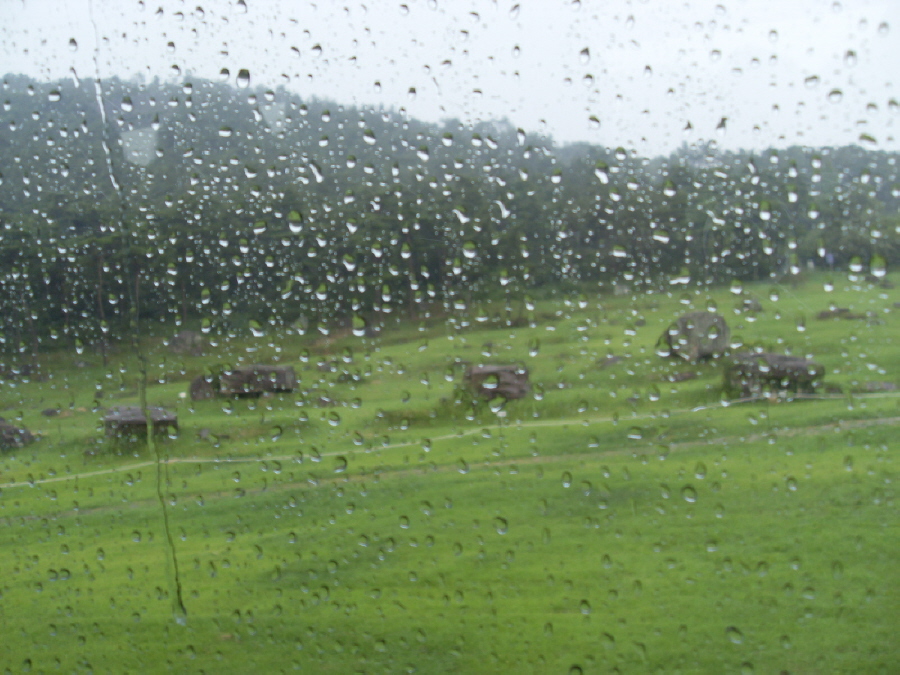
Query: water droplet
x,y
689,494
243,78
295,222
501,525
73,45
359,326
734,635
835,96
837,569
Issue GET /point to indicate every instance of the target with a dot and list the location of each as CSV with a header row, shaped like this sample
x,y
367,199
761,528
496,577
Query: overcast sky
x,y
643,74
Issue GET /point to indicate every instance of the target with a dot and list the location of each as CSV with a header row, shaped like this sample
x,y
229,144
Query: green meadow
x,y
381,519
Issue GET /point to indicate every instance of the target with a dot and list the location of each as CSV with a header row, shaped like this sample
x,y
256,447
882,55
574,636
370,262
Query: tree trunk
x,y
100,311
183,303
136,310
35,341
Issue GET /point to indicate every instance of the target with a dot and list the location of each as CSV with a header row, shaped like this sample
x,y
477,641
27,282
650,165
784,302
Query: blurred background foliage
x,y
256,205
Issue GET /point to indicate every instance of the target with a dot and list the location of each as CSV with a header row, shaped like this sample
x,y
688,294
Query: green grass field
x,y
616,519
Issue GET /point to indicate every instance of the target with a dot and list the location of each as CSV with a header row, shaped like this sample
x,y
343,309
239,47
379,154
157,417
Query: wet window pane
x,y
448,337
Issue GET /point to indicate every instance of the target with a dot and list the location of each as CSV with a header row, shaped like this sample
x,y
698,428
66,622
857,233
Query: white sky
x,y
810,72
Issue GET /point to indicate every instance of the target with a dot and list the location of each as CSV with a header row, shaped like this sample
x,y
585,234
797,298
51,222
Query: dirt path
x,y
405,471
812,430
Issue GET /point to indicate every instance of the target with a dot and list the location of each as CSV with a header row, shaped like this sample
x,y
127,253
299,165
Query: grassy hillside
x,y
382,519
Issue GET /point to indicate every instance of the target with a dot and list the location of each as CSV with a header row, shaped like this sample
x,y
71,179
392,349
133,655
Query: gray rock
x,y
203,387
489,382
12,437
753,374
695,336
187,343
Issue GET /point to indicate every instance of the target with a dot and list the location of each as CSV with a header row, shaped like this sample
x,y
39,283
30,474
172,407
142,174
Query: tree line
x,y
130,201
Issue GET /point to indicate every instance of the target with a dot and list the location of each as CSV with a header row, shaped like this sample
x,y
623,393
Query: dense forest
x,y
221,206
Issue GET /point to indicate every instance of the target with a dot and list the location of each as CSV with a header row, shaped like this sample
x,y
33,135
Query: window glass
x,y
448,337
